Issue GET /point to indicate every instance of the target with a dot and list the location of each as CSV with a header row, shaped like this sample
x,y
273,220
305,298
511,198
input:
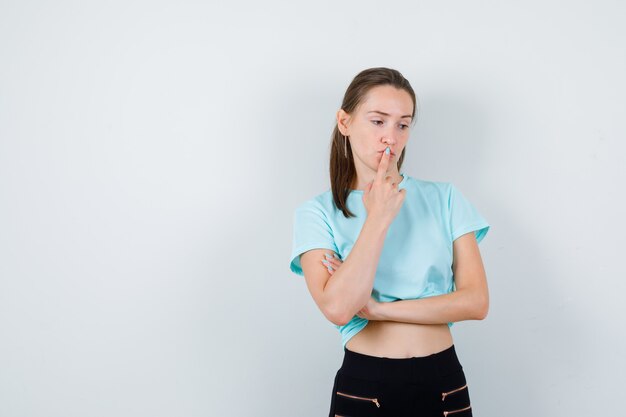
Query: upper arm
x,y
311,231
317,276
463,216
312,237
467,229
468,269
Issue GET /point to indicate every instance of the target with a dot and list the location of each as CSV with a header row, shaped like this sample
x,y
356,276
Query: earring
x,y
345,146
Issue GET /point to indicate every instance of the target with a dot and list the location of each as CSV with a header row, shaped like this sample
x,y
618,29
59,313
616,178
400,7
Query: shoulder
x,y
429,188
321,203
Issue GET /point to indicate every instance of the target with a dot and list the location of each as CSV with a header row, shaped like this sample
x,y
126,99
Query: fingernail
x,y
325,262
335,255
327,255
387,150
329,269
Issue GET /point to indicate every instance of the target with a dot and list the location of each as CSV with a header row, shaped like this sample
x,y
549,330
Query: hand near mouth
x,y
382,198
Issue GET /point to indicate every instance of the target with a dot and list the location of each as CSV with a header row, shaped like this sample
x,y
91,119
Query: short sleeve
x,y
310,231
464,217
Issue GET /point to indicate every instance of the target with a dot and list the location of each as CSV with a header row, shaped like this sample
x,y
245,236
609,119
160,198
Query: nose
x,y
390,136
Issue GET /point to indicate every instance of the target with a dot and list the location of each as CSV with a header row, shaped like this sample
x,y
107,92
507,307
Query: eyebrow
x,y
386,114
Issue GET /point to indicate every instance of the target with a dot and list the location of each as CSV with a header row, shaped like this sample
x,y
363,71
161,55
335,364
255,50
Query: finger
x,y
383,165
327,265
335,263
331,255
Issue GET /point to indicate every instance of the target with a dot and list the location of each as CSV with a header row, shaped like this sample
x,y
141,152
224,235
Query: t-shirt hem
x,y
345,339
295,266
482,229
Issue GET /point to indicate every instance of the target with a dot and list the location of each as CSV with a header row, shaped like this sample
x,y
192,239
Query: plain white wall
x,y
152,154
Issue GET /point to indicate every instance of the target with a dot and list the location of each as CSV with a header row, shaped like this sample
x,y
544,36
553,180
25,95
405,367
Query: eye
x,y
404,127
376,121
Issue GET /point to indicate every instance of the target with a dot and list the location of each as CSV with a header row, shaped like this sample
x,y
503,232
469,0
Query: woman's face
x,y
382,120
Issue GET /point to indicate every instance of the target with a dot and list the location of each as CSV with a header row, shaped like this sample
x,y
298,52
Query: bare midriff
x,y
393,339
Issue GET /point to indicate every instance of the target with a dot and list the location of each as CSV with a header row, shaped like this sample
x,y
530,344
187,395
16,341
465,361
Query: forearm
x,y
459,305
350,286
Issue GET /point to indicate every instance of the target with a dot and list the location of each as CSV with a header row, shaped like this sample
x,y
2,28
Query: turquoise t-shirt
x,y
416,259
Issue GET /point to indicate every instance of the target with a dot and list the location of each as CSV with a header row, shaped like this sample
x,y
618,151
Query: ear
x,y
343,121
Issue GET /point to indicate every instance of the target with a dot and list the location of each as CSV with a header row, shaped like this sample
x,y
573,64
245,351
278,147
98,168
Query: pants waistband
x,y
409,370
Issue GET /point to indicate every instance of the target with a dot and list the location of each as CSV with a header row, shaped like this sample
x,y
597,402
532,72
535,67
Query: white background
x,y
152,154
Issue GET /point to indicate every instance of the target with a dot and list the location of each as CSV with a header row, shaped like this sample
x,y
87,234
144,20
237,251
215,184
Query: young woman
x,y
391,260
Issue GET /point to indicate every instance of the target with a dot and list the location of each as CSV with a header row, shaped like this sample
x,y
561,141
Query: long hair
x,y
342,170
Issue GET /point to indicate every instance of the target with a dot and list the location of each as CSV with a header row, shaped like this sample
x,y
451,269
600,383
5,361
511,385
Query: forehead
x,y
388,99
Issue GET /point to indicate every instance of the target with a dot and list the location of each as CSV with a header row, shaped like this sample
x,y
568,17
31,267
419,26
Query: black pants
x,y
426,386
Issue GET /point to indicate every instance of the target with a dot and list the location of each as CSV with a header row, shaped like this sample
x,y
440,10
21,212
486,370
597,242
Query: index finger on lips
x,y
382,166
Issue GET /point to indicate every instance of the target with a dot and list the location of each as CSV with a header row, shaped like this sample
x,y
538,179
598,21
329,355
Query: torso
x,y
392,339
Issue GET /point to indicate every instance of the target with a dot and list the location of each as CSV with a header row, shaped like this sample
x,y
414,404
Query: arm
x,y
470,301
344,293
347,290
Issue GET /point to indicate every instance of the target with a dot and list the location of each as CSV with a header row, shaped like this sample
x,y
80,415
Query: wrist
x,y
377,224
382,311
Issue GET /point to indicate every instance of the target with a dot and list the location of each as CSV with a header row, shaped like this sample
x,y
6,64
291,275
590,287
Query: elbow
x,y
481,314
339,311
341,314
337,319
336,315
341,321
481,307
